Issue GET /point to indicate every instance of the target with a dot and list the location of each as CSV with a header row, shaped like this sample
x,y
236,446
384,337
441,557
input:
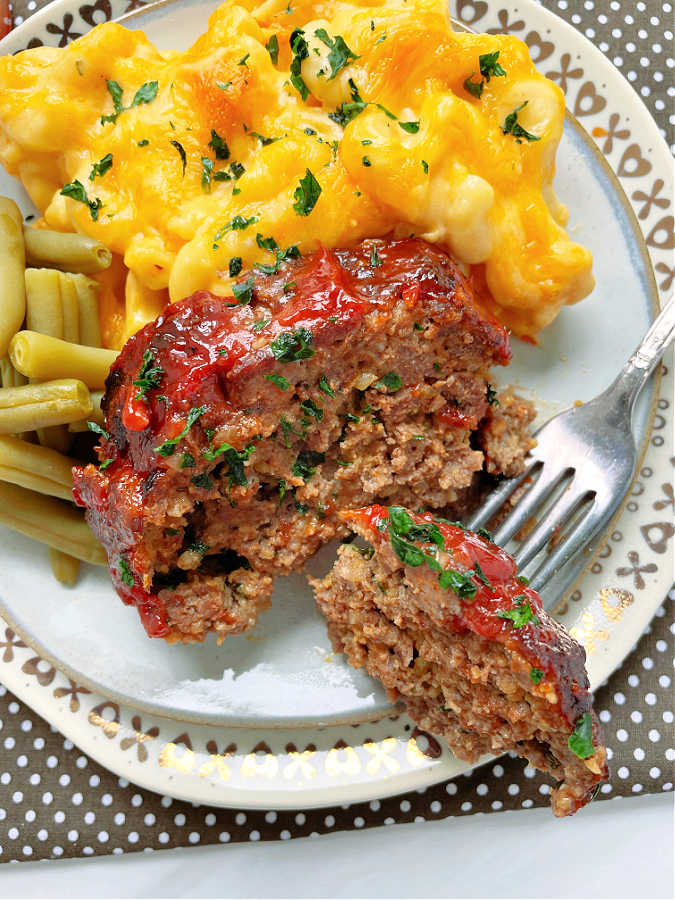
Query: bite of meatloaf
x,y
439,616
235,429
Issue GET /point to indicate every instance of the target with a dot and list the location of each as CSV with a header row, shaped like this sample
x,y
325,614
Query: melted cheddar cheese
x,y
216,156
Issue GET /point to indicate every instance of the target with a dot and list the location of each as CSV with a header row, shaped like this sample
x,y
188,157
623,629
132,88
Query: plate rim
x,y
372,790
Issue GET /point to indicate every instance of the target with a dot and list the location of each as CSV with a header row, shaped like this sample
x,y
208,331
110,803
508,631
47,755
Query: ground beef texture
x,y
468,648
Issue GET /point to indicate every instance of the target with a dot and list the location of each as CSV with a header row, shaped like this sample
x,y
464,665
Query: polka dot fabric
x,y
56,802
638,38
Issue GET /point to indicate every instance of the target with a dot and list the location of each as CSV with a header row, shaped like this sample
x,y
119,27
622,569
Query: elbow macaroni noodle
x,y
452,175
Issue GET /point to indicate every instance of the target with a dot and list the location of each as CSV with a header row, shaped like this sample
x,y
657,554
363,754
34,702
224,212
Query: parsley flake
x,y
149,375
243,291
300,51
76,191
125,573
168,447
219,145
375,260
522,613
279,380
96,429
536,675
291,346
181,153
235,266
512,126
580,741
325,388
389,382
272,47
99,169
410,127
340,55
306,194
305,465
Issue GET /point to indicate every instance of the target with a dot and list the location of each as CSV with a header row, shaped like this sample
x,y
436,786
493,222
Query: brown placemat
x,y
57,802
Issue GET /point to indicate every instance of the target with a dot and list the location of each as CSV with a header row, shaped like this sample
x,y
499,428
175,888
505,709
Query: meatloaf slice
x,y
438,615
237,429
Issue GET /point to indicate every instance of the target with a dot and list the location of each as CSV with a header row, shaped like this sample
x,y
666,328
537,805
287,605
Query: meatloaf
x,y
236,428
440,617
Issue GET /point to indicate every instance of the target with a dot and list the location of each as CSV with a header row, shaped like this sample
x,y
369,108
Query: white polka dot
x,y
163,837
119,818
670,754
654,735
27,851
255,835
284,835
39,743
270,817
619,698
623,772
329,821
123,782
166,802
179,819
622,735
102,837
68,744
59,816
529,772
73,835
404,806
81,762
636,788
89,818
633,680
64,780
435,806
9,743
17,796
466,806
661,646
42,834
30,815
77,799
35,778
655,772
193,837
51,762
498,771
451,788
668,716
136,800
57,851
133,837
94,781
639,753
648,663
513,790
359,822
636,716
47,798
664,681
150,819
106,799
240,818
5,778
13,833
482,790
526,804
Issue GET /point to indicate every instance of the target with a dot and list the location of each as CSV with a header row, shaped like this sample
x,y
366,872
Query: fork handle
x,y
633,377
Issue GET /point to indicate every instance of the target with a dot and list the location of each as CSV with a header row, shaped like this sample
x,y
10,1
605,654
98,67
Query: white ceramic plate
x,y
271,718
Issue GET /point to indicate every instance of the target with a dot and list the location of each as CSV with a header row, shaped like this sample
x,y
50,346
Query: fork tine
x,y
574,541
527,506
561,512
499,496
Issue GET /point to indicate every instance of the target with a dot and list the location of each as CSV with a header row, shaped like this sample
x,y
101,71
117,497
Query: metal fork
x,y
577,475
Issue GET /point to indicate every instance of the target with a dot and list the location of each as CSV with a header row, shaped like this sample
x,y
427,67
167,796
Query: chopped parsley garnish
x,y
145,94
187,461
425,166
279,380
126,575
489,67
291,346
300,51
492,396
238,223
219,145
512,126
181,153
410,127
99,169
76,191
481,576
203,481
258,326
143,143
96,428
168,448
106,462
288,287
521,614
340,55
198,547
306,194
207,171
459,582
305,464
523,579
366,143
235,460
272,47
388,113
265,141
325,388
243,291
365,161
287,430
389,382
310,408
345,112
484,533
375,260
267,243
244,60
417,326
536,675
234,266
223,85
149,375
580,741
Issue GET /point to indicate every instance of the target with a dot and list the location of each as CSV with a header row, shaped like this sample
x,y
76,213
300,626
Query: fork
x,y
577,475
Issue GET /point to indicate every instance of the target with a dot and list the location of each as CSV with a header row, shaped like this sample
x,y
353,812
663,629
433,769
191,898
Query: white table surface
x,y
617,848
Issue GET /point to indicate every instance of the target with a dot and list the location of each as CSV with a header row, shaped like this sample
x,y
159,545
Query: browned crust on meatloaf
x,y
476,693
169,524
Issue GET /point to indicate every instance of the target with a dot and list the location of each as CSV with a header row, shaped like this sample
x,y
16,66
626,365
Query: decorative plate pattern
x,y
286,768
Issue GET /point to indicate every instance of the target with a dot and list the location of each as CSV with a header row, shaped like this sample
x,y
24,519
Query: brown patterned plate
x,y
272,721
